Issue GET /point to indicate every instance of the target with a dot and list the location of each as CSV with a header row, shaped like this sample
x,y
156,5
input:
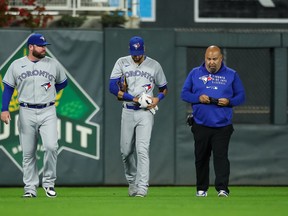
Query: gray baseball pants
x,y
136,129
31,124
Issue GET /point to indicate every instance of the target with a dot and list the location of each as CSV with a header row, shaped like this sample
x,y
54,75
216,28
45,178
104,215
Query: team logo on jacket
x,y
46,85
147,87
206,78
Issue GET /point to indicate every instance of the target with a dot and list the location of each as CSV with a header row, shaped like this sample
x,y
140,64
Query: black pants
x,y
214,140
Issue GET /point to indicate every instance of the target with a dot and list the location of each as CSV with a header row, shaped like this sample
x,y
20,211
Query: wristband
x,y
127,97
160,96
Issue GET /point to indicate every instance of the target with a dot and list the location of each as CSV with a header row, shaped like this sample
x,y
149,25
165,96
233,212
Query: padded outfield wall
x,y
258,149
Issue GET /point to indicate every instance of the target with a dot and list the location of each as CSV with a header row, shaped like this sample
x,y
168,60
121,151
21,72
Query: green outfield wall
x,y
89,116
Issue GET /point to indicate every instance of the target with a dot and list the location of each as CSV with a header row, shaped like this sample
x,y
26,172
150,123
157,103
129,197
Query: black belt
x,y
37,106
134,107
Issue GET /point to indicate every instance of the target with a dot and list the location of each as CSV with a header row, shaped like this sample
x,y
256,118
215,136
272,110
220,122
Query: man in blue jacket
x,y
213,90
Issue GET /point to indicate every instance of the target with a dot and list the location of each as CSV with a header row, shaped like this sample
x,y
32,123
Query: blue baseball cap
x,y
37,39
136,46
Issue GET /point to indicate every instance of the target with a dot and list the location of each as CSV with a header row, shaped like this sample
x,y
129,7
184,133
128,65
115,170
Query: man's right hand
x,y
204,99
5,117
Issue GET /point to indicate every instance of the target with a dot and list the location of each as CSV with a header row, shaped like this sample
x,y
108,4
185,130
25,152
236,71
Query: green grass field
x,y
174,201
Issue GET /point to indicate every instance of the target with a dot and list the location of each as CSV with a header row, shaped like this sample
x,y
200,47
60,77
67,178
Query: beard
x,y
38,54
212,70
137,59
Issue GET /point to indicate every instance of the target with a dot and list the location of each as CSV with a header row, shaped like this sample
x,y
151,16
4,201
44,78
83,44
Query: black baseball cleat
x,y
50,192
29,195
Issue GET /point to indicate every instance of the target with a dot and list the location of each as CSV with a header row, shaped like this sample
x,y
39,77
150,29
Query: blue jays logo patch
x,y
46,85
206,78
147,87
136,46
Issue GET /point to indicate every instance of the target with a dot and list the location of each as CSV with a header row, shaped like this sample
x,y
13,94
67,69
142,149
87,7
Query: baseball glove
x,y
153,110
144,100
123,86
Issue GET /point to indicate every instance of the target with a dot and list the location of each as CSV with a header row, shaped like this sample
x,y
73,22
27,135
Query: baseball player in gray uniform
x,y
138,74
37,78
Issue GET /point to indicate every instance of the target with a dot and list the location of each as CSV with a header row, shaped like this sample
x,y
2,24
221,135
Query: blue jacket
x,y
223,84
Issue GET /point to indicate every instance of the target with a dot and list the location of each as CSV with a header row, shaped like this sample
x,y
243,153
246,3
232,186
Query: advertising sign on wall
x,y
241,11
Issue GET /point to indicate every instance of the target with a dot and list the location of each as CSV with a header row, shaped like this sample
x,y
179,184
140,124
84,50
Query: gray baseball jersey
x,y
140,78
35,82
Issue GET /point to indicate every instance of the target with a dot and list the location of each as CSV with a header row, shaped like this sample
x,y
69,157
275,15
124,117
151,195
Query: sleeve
x,y
6,97
9,78
117,70
113,87
238,91
61,85
61,75
187,94
160,79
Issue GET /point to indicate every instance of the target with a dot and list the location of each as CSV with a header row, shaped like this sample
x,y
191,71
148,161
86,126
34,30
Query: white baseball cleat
x,y
50,192
201,193
223,193
132,190
140,195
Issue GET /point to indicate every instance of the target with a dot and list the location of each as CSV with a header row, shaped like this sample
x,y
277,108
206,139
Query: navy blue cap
x,y
136,46
37,39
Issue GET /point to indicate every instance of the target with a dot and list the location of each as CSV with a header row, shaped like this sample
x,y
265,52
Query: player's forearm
x,y
114,89
162,94
163,91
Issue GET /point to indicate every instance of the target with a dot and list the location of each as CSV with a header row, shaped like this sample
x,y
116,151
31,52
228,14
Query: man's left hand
x,y
223,102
